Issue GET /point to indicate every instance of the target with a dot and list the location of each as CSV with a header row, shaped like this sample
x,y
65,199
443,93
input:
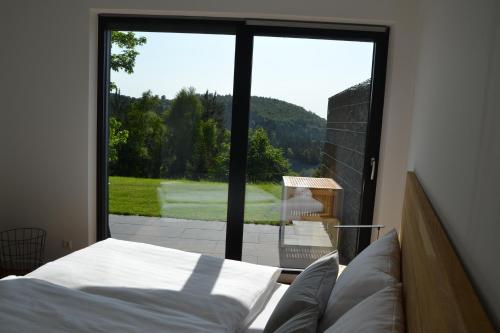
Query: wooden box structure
x,y
309,210
310,198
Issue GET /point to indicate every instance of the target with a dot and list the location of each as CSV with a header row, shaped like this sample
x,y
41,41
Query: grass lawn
x,y
186,199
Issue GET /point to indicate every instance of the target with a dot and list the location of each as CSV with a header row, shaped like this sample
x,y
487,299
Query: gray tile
x,y
120,228
165,242
160,232
269,260
249,258
197,245
265,238
260,244
208,234
249,247
129,219
194,224
220,246
126,237
260,249
262,228
251,237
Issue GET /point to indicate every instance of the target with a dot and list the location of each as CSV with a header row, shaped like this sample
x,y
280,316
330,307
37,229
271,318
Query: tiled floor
x,y
260,242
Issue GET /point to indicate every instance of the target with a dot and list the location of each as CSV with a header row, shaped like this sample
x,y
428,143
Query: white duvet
x,y
132,287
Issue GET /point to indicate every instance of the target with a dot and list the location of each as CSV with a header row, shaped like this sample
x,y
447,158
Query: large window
x,y
169,120
253,141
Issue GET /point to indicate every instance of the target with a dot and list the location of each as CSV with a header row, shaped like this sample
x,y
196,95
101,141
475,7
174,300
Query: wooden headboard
x,y
438,295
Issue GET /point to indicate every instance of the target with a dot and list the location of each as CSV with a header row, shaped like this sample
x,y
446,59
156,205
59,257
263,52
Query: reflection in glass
x,y
306,148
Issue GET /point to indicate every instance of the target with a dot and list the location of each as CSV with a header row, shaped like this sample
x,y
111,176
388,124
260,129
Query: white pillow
x,y
375,268
310,289
382,312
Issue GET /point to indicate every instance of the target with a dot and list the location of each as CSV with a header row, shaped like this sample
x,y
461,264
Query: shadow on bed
x,y
201,279
28,304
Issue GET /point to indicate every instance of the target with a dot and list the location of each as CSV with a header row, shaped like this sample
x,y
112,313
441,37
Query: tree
x,y
117,138
127,43
265,162
210,142
183,119
204,150
125,60
220,167
213,109
142,155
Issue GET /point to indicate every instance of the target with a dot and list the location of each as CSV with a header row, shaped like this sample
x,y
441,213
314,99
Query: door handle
x,y
373,163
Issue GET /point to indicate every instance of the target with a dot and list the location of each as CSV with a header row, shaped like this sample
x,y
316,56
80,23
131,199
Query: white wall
x,y
48,106
48,113
455,142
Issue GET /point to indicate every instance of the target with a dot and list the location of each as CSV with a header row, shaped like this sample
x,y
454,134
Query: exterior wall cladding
x,y
343,156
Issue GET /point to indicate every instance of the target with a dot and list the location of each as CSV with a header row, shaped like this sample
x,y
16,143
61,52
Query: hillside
x,y
298,132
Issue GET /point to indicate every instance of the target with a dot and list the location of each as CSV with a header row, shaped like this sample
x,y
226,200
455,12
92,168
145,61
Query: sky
x,y
305,72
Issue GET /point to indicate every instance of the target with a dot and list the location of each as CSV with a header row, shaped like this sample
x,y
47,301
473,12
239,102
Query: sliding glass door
x,y
243,140
308,116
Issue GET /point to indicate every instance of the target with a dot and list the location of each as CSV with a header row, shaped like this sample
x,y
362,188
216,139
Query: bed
x,y
132,287
138,287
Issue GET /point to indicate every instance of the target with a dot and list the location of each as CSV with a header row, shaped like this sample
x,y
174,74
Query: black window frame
x,y
244,30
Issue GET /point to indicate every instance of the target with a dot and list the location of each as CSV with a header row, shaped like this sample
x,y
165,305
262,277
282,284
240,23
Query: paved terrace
x,y
260,242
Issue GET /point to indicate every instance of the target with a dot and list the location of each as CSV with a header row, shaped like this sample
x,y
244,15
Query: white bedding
x,y
174,290
32,305
257,326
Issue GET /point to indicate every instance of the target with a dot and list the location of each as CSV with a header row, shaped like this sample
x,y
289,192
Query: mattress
x,y
176,290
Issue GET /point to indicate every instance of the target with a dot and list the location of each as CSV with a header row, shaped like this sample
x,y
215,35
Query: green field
x,y
186,199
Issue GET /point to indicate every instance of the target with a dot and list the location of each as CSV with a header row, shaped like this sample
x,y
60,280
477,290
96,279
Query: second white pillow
x,y
382,312
375,268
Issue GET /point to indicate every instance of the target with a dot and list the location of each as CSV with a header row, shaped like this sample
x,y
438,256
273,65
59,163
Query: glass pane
x,y
308,118
169,121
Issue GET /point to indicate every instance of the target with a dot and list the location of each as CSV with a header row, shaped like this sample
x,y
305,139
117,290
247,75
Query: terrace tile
x,y
260,242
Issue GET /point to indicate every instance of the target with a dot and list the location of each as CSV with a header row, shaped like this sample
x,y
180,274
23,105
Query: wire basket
x,y
21,250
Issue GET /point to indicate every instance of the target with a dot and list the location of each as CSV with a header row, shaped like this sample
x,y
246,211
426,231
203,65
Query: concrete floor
x,y
260,242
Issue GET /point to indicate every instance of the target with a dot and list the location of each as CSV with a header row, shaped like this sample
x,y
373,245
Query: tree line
x,y
184,138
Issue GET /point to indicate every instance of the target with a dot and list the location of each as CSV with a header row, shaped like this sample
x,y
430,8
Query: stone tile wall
x,y
343,155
